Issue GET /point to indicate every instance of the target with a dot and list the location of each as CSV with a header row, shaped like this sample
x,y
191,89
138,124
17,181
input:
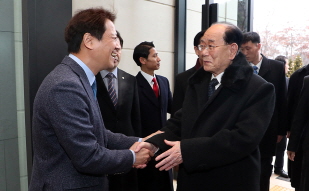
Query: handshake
x,y
144,151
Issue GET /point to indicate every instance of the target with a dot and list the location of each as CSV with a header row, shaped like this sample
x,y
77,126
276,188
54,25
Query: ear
x,y
259,45
196,50
233,50
88,41
142,60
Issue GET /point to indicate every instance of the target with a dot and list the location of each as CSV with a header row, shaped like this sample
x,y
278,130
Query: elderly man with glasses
x,y
214,138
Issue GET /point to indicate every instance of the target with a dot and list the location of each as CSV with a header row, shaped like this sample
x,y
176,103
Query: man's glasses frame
x,y
208,47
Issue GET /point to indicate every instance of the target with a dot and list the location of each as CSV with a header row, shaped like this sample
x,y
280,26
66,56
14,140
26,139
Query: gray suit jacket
x,y
71,147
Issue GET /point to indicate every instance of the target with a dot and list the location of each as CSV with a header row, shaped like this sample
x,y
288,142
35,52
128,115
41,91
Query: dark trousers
x,y
266,171
280,150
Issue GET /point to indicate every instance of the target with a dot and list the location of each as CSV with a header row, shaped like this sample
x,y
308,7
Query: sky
x,y
279,14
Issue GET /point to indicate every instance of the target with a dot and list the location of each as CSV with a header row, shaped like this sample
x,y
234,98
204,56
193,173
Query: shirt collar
x,y
218,77
258,64
105,72
88,72
148,77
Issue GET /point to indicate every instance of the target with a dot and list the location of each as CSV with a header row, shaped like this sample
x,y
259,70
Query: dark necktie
x,y
255,69
94,89
111,89
155,87
212,87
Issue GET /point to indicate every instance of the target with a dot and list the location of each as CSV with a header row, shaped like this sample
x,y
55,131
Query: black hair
x,y
86,21
281,58
198,37
142,50
251,36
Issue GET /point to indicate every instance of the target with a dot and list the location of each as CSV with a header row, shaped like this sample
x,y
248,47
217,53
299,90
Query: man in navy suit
x,y
72,150
124,117
155,100
274,72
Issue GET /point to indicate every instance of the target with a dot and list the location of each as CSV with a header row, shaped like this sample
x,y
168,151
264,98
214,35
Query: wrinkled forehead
x,y
214,34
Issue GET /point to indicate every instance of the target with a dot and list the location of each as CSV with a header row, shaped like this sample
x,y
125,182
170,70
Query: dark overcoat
x,y
295,86
220,136
299,138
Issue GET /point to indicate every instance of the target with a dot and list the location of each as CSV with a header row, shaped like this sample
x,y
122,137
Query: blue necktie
x,y
111,89
212,87
94,89
255,69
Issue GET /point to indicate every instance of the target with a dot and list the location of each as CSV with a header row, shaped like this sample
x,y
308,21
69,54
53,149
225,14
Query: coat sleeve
x,y
282,103
295,84
228,146
300,120
170,98
172,132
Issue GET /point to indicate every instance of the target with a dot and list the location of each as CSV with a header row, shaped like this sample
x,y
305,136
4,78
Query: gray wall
x,y
9,153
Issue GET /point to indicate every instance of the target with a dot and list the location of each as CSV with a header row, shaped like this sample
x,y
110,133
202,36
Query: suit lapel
x,y
122,81
146,90
202,94
265,67
163,90
85,82
83,78
103,93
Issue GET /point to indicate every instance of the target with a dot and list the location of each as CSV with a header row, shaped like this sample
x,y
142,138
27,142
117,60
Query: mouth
x,y
114,54
115,57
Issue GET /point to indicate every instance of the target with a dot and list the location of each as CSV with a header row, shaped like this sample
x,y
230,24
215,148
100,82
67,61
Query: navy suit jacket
x,y
153,110
153,117
71,147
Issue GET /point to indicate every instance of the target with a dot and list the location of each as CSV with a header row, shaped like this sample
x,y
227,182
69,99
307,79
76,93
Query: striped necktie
x,y
111,89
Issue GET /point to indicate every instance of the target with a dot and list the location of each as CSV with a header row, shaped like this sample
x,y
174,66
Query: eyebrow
x,y
209,40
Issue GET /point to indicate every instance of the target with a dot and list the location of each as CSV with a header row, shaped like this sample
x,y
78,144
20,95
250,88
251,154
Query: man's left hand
x,y
172,157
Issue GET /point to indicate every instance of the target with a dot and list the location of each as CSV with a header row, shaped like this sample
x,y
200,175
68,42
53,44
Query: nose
x,y
159,59
117,45
205,52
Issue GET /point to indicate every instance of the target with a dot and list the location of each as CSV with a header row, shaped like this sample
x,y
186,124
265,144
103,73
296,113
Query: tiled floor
x,y
280,184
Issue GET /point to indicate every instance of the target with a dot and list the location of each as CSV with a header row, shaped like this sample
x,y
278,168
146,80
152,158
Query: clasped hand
x,y
143,153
